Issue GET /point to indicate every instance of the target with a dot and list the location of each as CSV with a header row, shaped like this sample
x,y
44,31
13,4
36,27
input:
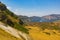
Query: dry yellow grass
x,y
6,36
37,34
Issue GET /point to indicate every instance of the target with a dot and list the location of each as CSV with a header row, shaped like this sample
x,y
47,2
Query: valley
x,y
18,27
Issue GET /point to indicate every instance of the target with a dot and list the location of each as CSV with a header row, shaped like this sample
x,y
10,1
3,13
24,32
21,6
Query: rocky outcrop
x,y
2,6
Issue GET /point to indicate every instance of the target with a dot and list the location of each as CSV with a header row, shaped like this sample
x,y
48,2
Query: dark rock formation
x,y
2,6
10,23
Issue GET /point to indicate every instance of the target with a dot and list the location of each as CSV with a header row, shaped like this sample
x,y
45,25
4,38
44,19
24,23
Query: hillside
x,y
6,36
37,34
9,18
44,31
12,28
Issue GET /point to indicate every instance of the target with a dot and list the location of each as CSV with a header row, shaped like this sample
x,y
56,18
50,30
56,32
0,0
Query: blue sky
x,y
33,7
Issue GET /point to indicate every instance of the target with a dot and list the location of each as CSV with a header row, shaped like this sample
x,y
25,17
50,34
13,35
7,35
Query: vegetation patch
x,y
46,33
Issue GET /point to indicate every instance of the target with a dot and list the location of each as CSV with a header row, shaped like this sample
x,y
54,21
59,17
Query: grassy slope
x,y
6,36
37,34
14,19
9,18
7,15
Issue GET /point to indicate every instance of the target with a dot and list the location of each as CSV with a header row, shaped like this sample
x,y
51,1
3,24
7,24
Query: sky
x,y
33,7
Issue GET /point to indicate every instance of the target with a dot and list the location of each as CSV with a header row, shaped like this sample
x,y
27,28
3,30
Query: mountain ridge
x,y
47,18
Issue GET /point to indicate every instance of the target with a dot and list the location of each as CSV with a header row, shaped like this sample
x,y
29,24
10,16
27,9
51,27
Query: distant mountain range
x,y
47,18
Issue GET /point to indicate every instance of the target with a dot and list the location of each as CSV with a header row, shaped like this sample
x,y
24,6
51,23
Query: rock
x,y
2,7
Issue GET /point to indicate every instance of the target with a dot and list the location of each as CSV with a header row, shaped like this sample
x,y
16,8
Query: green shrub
x,y
46,33
21,28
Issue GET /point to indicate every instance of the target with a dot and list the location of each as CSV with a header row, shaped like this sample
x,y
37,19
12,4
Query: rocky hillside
x,y
4,36
12,28
9,18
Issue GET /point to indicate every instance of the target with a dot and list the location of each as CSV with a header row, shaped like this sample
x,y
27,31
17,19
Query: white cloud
x,y
35,12
9,7
26,12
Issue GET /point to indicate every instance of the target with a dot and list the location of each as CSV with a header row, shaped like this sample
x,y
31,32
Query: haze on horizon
x,y
33,7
